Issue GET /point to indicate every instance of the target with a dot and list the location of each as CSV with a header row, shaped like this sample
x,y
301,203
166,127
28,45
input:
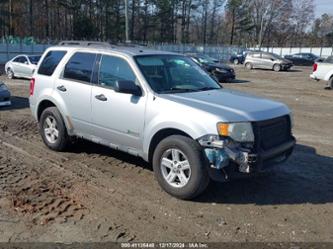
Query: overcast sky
x,y
323,6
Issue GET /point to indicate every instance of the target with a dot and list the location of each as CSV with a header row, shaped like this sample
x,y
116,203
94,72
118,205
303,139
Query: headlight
x,y
240,132
221,70
3,87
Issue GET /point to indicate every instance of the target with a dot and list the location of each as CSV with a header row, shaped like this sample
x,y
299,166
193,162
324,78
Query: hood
x,y
230,105
222,66
286,61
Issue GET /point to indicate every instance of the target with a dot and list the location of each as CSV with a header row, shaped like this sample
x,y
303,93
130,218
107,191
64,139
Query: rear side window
x,y
50,62
80,67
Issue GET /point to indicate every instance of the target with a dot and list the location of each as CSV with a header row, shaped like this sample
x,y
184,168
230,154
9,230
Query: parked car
x,y
218,71
21,66
267,60
302,59
324,71
238,58
4,95
160,106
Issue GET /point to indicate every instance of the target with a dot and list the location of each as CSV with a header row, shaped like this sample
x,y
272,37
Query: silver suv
x,y
159,106
266,60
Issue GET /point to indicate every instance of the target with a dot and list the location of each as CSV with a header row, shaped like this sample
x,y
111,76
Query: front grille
x,y
272,133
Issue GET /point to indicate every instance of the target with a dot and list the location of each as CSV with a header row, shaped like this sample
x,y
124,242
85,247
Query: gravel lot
x,y
93,193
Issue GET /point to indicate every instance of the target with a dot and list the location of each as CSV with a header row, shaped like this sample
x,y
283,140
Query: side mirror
x,y
128,87
27,63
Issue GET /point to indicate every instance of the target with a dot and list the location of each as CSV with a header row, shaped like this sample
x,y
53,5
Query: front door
x,y
118,118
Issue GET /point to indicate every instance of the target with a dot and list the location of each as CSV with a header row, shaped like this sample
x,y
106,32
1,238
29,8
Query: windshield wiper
x,y
177,89
207,88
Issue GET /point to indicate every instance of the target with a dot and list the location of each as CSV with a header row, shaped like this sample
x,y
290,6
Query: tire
x,y
56,137
196,170
10,73
277,67
236,61
248,66
330,84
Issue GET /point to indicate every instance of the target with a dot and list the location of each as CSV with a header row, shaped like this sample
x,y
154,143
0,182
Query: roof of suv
x,y
104,47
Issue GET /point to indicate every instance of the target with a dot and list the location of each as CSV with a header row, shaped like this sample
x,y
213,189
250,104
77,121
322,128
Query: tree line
x,y
229,22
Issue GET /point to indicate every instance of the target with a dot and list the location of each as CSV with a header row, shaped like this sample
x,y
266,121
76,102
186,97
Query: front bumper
x,y
244,163
5,98
225,76
286,66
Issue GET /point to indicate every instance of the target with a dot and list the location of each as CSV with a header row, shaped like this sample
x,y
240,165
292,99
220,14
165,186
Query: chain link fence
x,y
9,50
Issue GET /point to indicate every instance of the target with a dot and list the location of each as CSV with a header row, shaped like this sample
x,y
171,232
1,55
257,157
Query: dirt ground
x,y
93,193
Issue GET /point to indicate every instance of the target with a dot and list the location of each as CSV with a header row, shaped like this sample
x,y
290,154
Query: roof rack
x,y
84,43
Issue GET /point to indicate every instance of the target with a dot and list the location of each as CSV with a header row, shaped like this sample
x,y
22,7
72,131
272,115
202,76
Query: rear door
x,y
118,117
267,61
74,87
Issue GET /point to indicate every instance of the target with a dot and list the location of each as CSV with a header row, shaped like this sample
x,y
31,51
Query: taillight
x,y
315,66
32,86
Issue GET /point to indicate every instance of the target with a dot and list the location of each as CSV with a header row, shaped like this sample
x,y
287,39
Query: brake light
x,y
32,86
315,66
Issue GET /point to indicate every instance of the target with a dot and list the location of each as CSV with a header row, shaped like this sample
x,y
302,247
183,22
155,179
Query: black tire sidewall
x,y
199,175
61,143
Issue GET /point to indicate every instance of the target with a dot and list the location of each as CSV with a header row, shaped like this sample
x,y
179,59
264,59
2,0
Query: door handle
x,y
101,97
62,88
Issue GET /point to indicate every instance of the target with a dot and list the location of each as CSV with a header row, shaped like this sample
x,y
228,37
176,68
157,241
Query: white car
x,y
21,66
324,71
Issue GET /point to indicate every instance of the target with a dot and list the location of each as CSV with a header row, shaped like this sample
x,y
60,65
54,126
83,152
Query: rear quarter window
x,y
50,62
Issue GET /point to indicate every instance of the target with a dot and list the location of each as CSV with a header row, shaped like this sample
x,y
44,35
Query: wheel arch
x,y
46,103
160,135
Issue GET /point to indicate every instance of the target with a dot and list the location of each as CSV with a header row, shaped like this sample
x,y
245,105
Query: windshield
x,y
206,59
278,57
174,73
34,59
329,59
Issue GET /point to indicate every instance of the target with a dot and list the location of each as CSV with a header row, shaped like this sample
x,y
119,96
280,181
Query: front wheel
x,y
180,167
277,68
10,73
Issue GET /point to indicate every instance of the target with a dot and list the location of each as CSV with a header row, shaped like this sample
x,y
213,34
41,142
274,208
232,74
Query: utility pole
x,y
10,18
126,21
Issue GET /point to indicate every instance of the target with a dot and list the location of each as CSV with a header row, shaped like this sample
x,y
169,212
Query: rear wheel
x,y
10,73
180,167
248,66
53,130
330,84
277,68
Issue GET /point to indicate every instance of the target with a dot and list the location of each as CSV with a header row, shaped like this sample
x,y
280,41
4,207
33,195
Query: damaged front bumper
x,y
228,159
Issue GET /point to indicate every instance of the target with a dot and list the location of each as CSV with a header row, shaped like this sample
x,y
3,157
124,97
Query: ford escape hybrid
x,y
159,106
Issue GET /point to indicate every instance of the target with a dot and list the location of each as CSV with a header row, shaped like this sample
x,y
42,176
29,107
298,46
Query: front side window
x,y
174,73
114,69
50,62
80,67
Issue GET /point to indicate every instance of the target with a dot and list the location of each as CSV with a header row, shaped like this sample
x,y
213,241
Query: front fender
x,y
193,129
